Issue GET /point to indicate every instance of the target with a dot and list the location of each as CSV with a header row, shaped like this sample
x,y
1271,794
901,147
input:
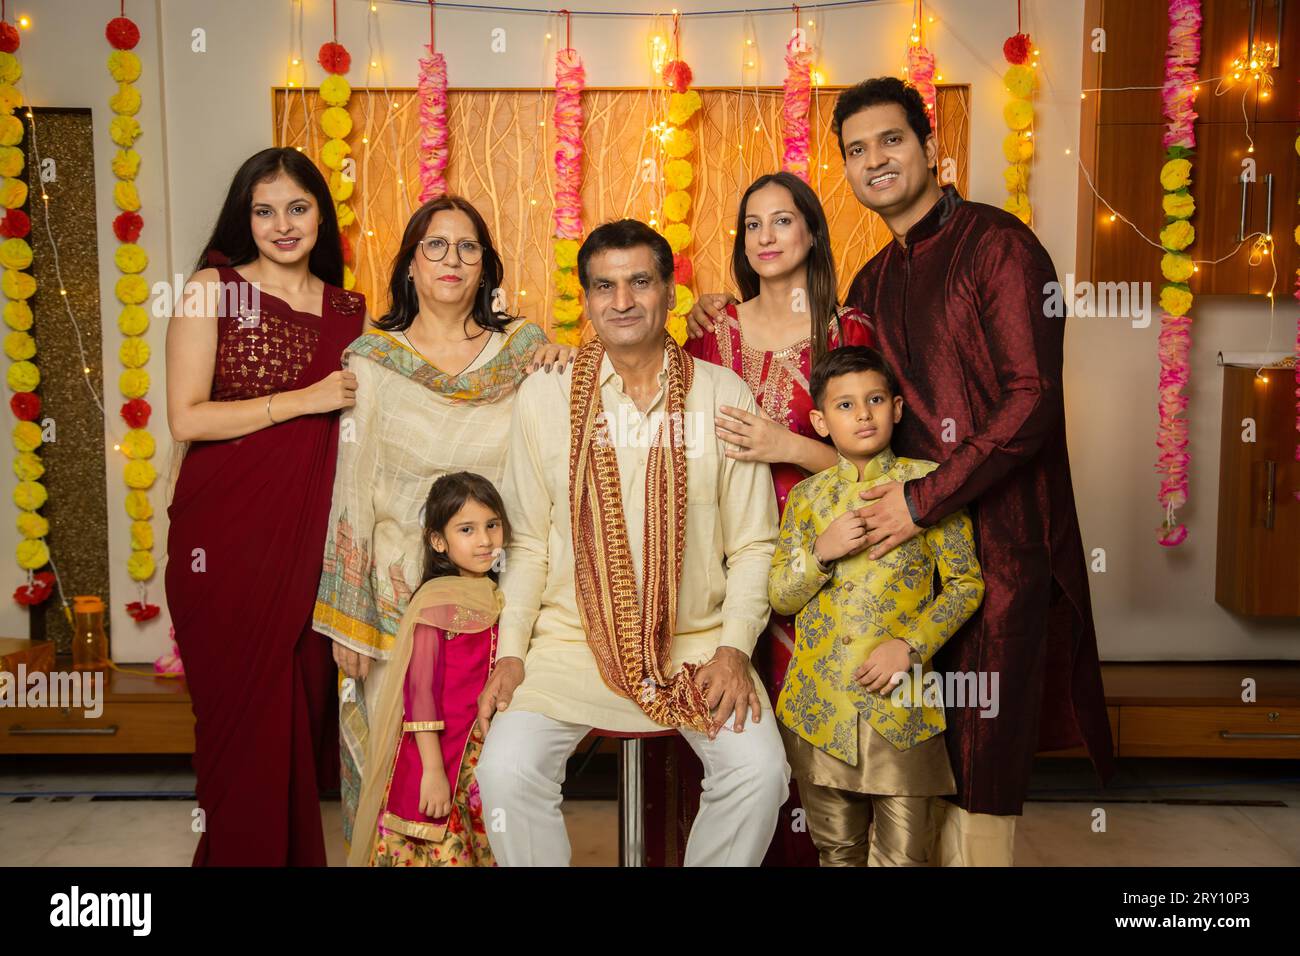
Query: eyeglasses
x,y
435,249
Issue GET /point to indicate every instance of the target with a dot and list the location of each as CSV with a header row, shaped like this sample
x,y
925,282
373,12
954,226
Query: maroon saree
x,y
673,774
248,518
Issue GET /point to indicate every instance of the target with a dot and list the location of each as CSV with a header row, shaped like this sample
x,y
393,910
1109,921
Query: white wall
x,y
1150,603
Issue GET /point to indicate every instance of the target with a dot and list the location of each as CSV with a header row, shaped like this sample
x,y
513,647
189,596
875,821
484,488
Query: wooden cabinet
x,y
1257,571
1120,142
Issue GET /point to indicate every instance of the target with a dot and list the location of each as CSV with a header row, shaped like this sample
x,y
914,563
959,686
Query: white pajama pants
x,y
746,780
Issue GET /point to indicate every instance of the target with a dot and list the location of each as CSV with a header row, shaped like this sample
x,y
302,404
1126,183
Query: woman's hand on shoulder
x,y
708,308
551,356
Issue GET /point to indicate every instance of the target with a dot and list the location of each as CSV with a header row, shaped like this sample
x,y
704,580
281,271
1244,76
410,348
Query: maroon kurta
x,y
244,558
959,314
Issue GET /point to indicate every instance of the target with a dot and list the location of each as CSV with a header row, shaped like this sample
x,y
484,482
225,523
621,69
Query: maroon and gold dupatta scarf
x,y
632,643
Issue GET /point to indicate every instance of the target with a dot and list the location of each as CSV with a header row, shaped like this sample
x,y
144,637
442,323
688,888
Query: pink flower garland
x,y
433,125
1182,58
570,78
795,107
920,73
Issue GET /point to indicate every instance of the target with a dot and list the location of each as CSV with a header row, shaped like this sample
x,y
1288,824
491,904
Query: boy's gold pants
x,y
839,821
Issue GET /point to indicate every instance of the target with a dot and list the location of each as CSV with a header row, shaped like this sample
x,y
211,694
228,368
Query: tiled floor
x,y
1156,813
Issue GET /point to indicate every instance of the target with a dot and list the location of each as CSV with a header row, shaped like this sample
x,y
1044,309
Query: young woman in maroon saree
x,y
255,385
789,316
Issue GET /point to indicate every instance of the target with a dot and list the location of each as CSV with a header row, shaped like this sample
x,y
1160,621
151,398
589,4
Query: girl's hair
x,y
823,296
404,304
447,496
232,240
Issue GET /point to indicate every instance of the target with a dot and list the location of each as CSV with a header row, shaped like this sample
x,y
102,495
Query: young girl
x,y
419,803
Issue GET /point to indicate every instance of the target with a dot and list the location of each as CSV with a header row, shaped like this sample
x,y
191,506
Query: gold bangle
x,y
268,408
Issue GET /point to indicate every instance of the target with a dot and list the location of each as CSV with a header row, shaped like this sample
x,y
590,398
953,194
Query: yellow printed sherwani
x,y
846,611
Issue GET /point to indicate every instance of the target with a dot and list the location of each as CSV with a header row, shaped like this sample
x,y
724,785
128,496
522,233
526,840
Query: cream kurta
x,y
731,529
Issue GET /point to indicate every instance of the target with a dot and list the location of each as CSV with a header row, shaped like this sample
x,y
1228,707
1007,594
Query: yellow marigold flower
x,y
1176,267
15,254
1174,300
19,346
676,327
138,507
132,289
676,205
126,163
10,98
1018,206
141,535
11,161
30,495
32,554
18,315
133,352
1179,205
139,474
130,258
124,130
1175,174
140,565
336,122
138,443
13,193
24,377
334,152
679,173
340,186
134,383
18,285
11,131
1178,235
133,320
685,300
1018,113
566,283
27,437
1019,81
678,235
566,253
682,106
126,197
1016,177
27,464
32,525
678,142
566,311
124,66
334,90
346,214
349,278
11,71
126,101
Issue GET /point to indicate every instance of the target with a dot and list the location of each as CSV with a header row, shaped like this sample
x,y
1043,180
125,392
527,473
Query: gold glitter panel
x,y
501,159
74,461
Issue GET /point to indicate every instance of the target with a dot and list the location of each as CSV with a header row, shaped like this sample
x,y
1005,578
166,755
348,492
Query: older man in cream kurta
x,y
730,533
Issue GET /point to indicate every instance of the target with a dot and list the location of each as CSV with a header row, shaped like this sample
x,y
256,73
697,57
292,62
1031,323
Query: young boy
x,y
858,748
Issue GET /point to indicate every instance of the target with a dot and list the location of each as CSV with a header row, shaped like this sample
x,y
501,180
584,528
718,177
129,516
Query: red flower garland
x,y
29,595
9,38
140,611
677,75
334,57
25,406
1017,49
122,33
136,413
15,224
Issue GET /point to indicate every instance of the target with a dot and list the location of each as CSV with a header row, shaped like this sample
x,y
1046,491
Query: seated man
x,y
635,593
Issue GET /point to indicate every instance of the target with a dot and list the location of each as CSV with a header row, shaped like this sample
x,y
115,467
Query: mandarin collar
x,y
607,370
936,218
877,467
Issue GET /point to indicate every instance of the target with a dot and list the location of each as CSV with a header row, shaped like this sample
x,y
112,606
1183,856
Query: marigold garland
x,y
677,144
23,375
336,124
566,309
1019,81
1182,57
132,288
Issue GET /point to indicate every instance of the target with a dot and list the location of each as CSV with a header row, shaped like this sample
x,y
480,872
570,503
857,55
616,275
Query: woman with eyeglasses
x,y
435,384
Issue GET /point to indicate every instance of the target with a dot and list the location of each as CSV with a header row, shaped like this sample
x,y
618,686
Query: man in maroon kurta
x,y
957,300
